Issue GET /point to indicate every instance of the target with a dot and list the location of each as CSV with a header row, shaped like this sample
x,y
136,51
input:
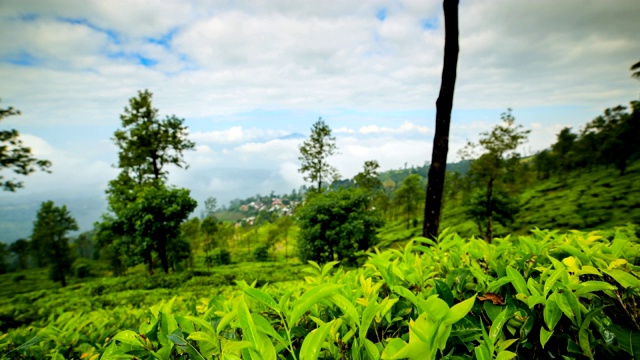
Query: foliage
x,y
495,157
261,253
409,196
210,205
546,295
16,157
221,257
336,225
314,153
146,143
368,177
609,139
21,249
152,222
50,240
504,208
4,252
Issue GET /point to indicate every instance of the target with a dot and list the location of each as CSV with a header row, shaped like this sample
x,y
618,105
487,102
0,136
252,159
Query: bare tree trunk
x,y
444,104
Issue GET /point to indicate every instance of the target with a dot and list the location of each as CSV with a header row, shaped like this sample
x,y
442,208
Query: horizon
x,y
250,79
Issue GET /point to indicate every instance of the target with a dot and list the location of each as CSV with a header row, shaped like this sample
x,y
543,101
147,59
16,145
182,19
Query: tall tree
x,y
314,153
494,154
147,143
16,157
50,238
408,197
444,104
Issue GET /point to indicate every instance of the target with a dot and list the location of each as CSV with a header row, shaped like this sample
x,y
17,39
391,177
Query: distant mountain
x,y
18,214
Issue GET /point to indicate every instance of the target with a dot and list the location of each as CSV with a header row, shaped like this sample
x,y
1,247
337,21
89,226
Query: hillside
x,y
583,200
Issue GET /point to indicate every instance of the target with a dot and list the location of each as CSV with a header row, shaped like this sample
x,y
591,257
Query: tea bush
x,y
547,295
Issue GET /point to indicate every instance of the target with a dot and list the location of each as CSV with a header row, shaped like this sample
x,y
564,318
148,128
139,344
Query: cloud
x,y
236,134
406,127
245,74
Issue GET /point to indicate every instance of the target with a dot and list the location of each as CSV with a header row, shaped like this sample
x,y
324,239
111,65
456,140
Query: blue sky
x,y
245,75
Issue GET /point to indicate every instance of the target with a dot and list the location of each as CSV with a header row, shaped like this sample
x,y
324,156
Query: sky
x,y
251,77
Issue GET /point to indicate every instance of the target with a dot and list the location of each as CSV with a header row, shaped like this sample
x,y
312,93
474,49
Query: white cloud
x,y
235,134
230,67
406,127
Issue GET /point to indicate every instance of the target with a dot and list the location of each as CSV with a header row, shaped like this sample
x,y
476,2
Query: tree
x,y
444,104
336,225
314,153
21,249
563,149
209,229
141,223
636,70
368,177
497,155
147,144
210,206
504,208
50,238
284,224
152,221
16,157
408,197
84,244
4,253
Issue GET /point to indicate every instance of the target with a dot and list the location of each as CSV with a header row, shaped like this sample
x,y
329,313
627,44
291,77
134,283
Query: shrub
x,y
337,225
221,257
261,253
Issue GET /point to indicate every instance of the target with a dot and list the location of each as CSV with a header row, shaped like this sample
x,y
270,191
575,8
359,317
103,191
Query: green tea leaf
x,y
505,355
246,323
310,298
552,312
459,311
262,297
371,348
498,323
592,286
346,306
544,336
313,342
367,316
518,281
555,275
623,278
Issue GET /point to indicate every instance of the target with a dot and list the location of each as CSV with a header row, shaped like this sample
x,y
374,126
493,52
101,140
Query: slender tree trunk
x,y
444,104
164,261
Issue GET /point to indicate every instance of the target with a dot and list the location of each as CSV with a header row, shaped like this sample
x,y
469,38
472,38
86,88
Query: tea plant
x,y
547,295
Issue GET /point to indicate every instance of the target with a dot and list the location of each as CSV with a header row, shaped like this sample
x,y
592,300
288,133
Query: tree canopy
x,y
147,143
336,225
314,153
493,156
16,157
50,241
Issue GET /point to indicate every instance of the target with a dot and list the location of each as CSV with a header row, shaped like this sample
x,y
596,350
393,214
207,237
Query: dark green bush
x,y
261,253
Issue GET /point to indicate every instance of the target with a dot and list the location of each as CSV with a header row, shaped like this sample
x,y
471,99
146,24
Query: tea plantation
x,y
546,295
